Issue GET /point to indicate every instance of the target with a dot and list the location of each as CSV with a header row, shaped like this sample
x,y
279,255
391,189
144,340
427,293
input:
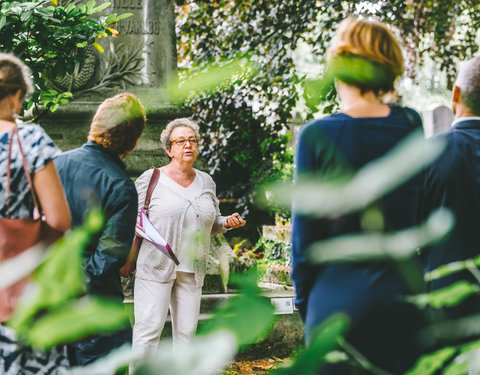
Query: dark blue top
x,y
342,144
453,181
93,176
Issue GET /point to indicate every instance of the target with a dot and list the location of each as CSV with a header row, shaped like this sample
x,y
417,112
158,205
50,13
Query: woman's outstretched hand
x,y
234,221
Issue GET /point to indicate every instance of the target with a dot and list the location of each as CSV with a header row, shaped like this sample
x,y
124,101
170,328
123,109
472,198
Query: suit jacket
x,y
453,181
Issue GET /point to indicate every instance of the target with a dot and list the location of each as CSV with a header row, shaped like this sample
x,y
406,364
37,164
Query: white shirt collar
x,y
465,118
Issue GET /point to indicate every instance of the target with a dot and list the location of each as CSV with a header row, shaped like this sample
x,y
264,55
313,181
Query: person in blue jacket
x,y
94,176
371,293
453,181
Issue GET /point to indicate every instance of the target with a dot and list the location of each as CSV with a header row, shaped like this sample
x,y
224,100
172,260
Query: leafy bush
x,y
52,40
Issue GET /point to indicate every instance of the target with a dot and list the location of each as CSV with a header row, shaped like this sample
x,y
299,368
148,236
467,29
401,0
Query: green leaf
x,y
59,279
430,363
449,296
90,4
3,21
324,340
100,7
99,47
454,368
82,44
451,268
70,7
248,315
123,16
76,320
25,16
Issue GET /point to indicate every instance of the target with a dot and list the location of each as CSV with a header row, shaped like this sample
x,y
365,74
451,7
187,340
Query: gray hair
x,y
178,123
468,81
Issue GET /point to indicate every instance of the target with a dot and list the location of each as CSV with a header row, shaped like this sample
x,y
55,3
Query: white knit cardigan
x,y
167,213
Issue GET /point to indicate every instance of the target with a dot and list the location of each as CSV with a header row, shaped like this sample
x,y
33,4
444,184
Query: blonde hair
x,y
14,76
177,123
370,40
118,123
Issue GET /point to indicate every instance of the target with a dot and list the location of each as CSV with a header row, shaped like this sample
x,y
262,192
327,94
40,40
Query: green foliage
x,y
51,39
430,363
451,295
324,340
248,315
244,124
53,314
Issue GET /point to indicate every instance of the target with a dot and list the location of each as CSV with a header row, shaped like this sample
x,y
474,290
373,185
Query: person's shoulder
x,y
32,132
403,112
317,129
146,175
206,178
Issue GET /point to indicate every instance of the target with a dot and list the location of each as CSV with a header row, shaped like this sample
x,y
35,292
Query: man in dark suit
x,y
453,182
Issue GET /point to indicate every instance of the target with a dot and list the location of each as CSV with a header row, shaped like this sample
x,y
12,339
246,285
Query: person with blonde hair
x,y
17,202
366,59
185,210
94,176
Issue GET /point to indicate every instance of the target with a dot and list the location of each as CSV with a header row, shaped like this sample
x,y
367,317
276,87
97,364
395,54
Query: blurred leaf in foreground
x,y
203,355
428,364
48,313
451,295
451,268
398,245
453,330
77,319
431,363
350,69
212,76
324,340
248,314
21,266
320,197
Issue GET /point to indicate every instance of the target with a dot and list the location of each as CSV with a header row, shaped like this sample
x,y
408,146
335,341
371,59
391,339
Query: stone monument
x,y
436,120
141,60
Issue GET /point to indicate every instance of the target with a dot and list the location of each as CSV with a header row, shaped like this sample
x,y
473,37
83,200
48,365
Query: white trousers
x,y
151,302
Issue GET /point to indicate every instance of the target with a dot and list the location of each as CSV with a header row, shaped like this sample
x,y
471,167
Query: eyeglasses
x,y
182,141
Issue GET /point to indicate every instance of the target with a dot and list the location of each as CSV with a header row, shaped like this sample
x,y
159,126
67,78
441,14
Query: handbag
x,y
19,235
131,261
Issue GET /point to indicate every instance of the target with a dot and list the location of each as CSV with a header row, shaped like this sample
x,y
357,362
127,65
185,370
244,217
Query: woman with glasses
x,y
185,210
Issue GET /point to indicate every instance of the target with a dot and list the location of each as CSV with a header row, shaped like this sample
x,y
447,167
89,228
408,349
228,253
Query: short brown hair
x,y
372,41
118,123
14,76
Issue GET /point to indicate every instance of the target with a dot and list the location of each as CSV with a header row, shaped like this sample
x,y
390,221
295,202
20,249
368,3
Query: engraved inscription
x,y
133,26
127,4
